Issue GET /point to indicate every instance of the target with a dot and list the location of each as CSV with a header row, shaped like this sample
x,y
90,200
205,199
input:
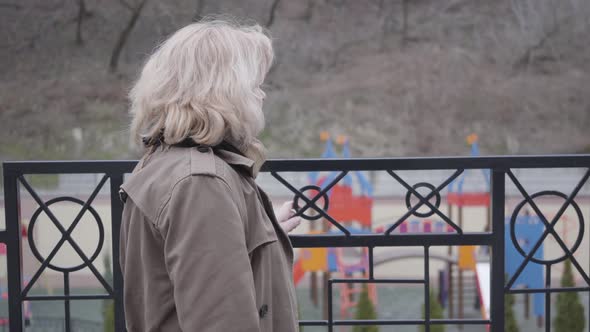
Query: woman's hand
x,y
285,217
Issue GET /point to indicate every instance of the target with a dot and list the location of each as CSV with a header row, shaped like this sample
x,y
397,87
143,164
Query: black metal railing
x,y
500,170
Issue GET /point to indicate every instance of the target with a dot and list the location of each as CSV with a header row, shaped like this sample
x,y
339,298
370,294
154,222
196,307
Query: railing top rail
x,y
501,177
69,167
305,165
428,163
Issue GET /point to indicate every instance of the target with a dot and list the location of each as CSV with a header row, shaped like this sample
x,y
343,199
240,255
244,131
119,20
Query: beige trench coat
x,y
201,249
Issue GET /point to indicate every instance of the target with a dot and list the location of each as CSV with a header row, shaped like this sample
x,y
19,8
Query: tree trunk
x,y
124,36
404,22
387,17
526,58
81,14
272,13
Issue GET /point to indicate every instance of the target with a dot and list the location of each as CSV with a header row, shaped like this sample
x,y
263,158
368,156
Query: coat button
x,y
203,148
263,311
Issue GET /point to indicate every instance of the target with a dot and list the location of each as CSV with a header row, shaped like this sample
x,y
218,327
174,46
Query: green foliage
x,y
365,309
570,311
510,324
109,316
43,181
436,312
108,306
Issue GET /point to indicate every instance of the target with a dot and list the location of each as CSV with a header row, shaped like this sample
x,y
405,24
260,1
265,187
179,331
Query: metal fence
x,y
501,172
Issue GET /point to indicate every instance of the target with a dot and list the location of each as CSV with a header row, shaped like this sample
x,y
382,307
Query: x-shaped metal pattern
x,y
549,228
424,201
66,236
312,203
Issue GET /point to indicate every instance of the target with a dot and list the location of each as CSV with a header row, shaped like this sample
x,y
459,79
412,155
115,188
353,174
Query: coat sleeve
x,y
207,258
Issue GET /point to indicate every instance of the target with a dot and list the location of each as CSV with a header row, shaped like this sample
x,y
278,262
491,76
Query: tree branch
x,y
122,40
82,13
272,13
309,8
404,22
127,5
526,58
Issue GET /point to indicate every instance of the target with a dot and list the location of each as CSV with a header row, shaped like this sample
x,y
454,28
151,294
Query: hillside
x,y
514,71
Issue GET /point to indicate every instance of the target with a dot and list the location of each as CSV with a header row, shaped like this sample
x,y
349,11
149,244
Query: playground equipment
x,y
344,205
524,233
458,197
345,262
354,210
527,230
352,207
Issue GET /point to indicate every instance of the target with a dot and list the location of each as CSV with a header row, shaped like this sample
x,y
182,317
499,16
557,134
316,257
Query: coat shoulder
x,y
152,182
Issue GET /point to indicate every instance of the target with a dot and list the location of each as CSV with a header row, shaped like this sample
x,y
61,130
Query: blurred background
x,y
399,77
377,78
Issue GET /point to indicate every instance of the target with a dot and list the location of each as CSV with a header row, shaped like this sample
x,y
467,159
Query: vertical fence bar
x,y
330,307
13,250
460,276
547,298
450,268
67,311
427,289
116,212
371,269
497,277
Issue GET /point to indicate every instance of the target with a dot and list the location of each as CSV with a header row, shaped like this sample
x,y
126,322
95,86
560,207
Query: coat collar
x,y
236,159
226,151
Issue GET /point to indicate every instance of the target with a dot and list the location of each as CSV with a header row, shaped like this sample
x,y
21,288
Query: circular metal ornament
x,y
409,197
558,259
38,255
324,197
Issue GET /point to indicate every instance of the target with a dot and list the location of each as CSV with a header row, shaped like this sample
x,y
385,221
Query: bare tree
x,y
526,58
539,22
82,14
309,8
272,13
404,22
388,10
124,35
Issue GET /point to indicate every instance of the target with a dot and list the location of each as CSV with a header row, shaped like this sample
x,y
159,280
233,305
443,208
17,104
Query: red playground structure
x,y
352,206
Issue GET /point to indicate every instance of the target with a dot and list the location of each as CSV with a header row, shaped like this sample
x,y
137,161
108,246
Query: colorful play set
x,y
527,229
355,210
352,206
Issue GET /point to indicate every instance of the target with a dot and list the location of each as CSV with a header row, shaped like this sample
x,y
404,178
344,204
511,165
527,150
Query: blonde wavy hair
x,y
204,83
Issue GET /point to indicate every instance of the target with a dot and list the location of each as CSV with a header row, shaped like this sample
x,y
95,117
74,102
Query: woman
x,y
201,248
